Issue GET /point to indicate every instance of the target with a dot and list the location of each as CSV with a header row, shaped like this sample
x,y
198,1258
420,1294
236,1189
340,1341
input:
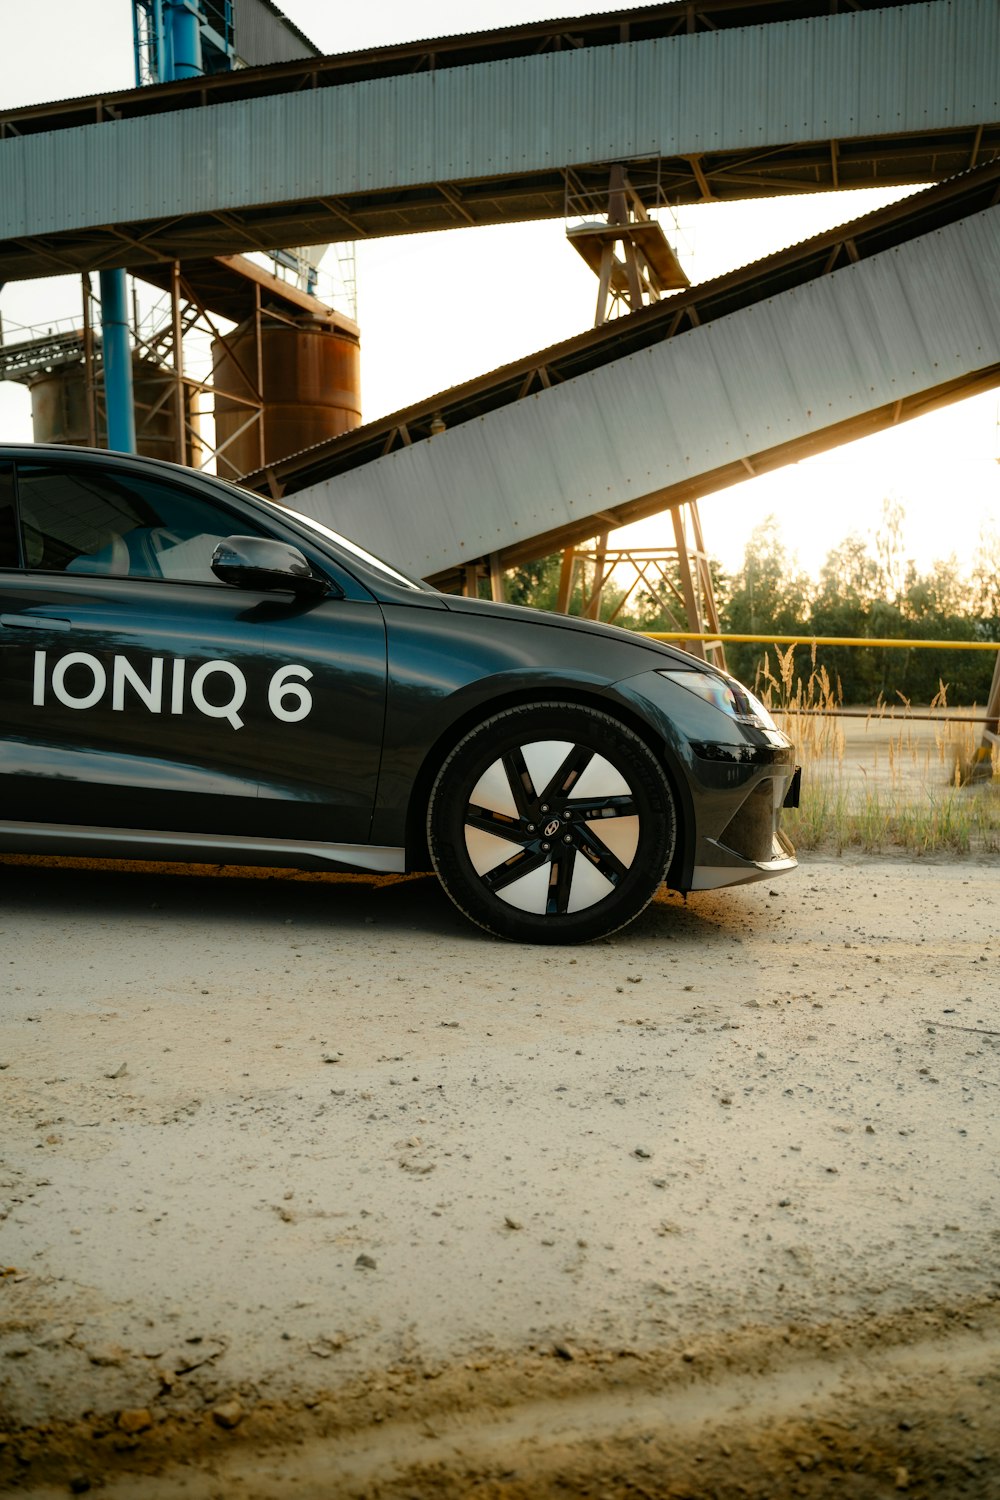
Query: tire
x,y
510,836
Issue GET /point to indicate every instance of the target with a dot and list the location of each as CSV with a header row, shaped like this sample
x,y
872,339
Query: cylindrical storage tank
x,y
310,373
155,417
59,408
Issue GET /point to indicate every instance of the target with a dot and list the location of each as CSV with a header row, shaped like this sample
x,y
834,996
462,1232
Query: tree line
x,y
863,591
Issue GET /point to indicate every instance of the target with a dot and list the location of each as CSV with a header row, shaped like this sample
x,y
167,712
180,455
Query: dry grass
x,y
887,781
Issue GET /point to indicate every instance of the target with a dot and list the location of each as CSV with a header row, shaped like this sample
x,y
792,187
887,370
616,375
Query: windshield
x,y
375,564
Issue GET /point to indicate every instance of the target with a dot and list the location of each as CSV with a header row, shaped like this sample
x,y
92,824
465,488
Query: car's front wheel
x,y
551,823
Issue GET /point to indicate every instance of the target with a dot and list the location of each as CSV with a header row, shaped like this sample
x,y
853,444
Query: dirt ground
x,y
307,1188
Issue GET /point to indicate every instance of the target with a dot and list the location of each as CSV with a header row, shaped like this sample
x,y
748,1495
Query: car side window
x,y
84,519
8,522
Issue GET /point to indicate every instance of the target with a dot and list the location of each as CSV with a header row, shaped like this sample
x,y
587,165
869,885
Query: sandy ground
x,y
308,1188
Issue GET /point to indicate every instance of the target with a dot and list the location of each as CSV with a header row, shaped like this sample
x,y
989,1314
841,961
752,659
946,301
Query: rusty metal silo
x,y
67,407
307,371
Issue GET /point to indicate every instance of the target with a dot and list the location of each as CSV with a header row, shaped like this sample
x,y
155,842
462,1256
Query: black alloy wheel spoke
x,y
562,783
509,870
485,820
595,850
560,881
519,778
603,807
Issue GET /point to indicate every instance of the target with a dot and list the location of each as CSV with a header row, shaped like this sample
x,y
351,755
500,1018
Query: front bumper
x,y
751,845
729,869
733,780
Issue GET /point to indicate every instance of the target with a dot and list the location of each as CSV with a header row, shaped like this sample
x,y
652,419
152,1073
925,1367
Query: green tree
x,y
985,581
768,595
535,583
861,592
940,605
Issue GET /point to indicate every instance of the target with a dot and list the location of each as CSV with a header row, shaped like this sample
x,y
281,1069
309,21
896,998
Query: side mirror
x,y
257,562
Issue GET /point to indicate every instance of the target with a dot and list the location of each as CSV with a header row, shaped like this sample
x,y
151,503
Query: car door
x,y
140,692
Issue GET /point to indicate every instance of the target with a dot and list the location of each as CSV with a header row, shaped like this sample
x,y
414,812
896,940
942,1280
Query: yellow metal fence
x,y
679,636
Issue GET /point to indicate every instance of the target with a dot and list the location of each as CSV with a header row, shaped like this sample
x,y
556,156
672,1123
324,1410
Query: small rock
x,y
135,1419
366,1263
512,1223
327,1344
563,1351
642,1153
54,1338
199,1352
106,1355
119,1072
227,1414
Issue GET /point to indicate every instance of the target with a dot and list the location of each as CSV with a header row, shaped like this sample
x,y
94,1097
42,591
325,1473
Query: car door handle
x,y
34,622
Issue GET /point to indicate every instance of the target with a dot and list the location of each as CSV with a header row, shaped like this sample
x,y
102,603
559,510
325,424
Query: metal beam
x,y
349,142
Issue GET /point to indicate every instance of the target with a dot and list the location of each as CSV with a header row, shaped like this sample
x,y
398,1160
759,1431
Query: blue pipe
x,y
117,363
177,28
184,28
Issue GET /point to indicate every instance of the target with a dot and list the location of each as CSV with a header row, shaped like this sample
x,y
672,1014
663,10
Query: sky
x,y
438,309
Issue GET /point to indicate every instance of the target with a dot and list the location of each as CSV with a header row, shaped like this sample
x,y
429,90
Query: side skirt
x,y
147,843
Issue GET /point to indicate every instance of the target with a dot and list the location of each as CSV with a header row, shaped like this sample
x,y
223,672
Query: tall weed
x,y
883,781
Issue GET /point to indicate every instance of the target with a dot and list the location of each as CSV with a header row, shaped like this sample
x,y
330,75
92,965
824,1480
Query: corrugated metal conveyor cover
x,y
265,35
841,354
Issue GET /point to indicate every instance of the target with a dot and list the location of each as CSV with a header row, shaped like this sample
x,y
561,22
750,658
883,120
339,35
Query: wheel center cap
x,y
552,828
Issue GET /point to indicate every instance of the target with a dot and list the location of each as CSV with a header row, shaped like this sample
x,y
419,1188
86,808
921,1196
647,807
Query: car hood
x,y
459,604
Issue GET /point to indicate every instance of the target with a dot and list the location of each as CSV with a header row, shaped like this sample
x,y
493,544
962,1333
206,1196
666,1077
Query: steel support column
x,y
118,395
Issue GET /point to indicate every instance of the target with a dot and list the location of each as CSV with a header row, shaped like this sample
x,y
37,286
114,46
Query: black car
x,y
190,672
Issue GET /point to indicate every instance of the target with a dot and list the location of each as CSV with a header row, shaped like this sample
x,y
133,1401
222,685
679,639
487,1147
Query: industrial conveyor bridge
x,y
850,332
704,99
712,99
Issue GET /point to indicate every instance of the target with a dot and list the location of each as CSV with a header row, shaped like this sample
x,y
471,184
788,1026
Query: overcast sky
x,y
437,309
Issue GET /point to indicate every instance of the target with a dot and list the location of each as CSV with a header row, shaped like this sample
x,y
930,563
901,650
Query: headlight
x,y
725,694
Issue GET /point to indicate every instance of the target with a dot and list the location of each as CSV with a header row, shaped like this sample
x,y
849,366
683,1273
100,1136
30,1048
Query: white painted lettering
x,y
38,686
286,699
230,710
79,659
177,686
123,672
